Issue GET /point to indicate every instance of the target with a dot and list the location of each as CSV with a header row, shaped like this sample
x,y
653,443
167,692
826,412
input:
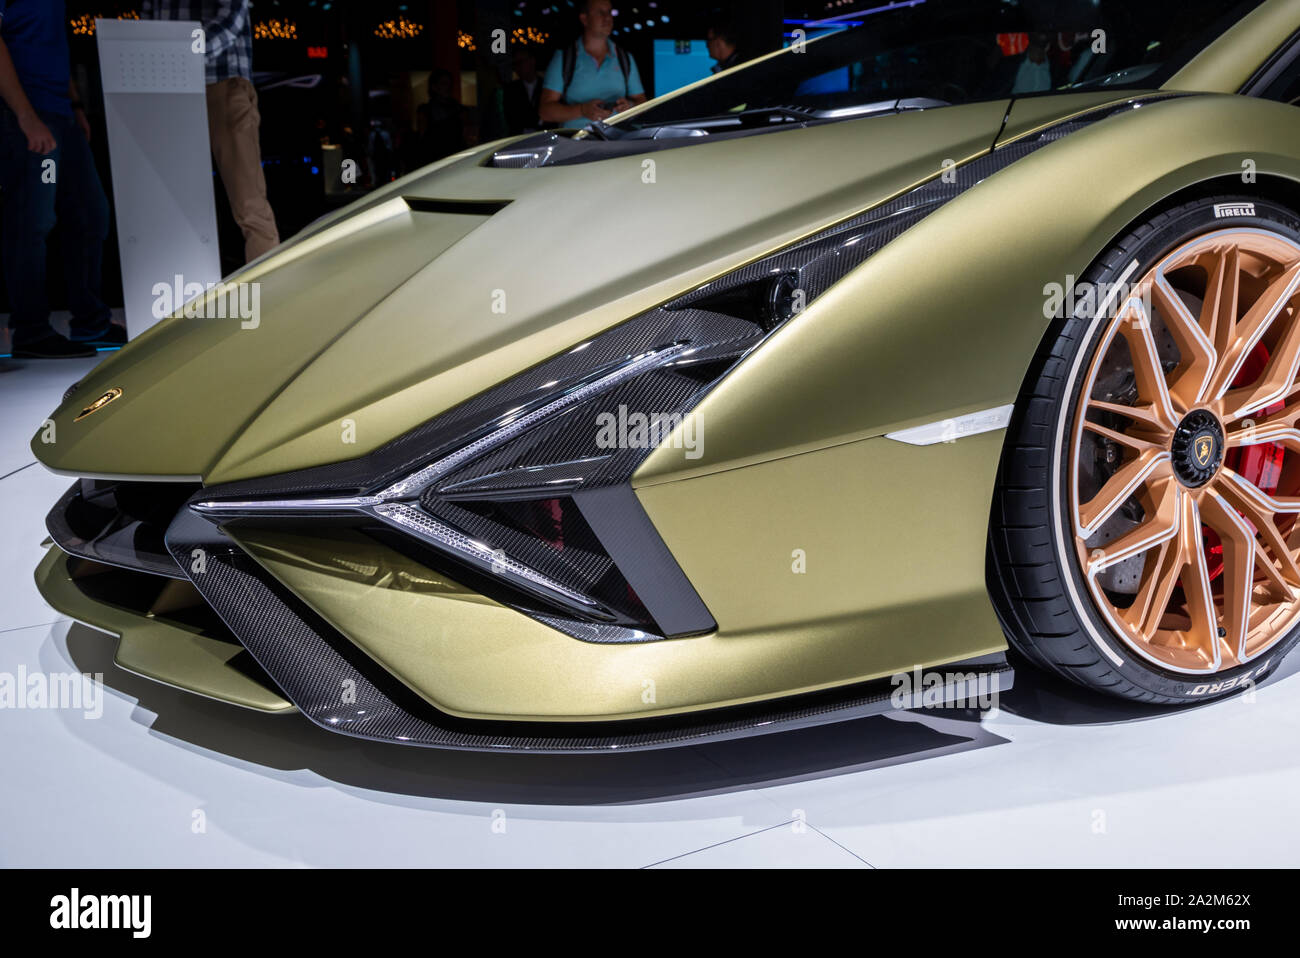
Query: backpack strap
x,y
570,64
624,64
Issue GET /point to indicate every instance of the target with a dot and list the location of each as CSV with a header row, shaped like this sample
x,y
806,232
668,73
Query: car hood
x,y
444,283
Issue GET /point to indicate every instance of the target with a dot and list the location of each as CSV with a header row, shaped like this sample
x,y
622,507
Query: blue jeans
x,y
31,206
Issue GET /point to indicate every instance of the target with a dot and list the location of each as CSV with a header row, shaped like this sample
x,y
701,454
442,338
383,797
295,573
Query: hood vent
x,y
422,204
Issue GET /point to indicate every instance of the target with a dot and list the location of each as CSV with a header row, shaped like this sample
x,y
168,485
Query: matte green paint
x,y
945,319
1226,65
390,320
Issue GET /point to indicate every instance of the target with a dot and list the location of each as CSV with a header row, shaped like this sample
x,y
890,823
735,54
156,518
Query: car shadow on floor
x,y
291,742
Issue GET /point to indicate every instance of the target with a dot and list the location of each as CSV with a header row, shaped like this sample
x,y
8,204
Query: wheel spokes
x,y
1133,441
1143,415
1195,457
1279,374
1239,552
1219,312
1118,489
1252,431
1247,500
1192,377
1148,371
1159,527
1158,584
1202,638
1251,327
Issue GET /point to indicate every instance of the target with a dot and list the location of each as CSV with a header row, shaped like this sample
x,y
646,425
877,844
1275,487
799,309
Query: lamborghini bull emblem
x,y
99,403
1204,450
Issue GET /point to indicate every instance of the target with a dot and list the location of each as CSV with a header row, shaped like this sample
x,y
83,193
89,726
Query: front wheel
x,y
1145,537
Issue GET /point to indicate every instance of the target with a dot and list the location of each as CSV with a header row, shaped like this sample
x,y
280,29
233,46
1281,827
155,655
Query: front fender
x,y
945,319
794,472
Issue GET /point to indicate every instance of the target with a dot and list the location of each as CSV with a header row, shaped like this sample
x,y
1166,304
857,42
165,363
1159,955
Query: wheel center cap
x,y
1197,448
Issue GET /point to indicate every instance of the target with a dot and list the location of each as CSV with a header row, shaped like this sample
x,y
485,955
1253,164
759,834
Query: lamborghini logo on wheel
x,y
99,403
1204,450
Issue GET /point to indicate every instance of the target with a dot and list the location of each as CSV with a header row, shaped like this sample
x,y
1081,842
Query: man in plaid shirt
x,y
233,119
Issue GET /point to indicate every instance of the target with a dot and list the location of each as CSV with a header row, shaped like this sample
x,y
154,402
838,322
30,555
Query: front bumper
x,y
232,630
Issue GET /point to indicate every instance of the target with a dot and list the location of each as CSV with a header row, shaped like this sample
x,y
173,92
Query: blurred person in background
x,y
592,78
441,121
723,45
233,118
47,173
1034,71
523,95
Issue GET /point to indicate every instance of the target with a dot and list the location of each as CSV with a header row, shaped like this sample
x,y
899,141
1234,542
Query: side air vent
x,y
119,523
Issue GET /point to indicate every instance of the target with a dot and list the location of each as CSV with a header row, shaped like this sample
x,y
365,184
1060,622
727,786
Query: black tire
x,y
1035,582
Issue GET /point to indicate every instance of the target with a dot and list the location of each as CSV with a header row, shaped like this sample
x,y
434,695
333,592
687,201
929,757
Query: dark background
x,y
352,87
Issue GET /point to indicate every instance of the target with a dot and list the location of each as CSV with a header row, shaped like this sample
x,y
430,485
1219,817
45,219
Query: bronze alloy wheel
x,y
1145,526
1184,470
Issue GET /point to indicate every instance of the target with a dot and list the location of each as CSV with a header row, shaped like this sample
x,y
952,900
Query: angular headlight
x,y
524,491
520,488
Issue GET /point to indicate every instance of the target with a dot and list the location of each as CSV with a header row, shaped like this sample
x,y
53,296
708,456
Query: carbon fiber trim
x,y
340,689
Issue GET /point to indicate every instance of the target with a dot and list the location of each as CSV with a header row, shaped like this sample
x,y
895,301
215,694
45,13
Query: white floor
x,y
1057,777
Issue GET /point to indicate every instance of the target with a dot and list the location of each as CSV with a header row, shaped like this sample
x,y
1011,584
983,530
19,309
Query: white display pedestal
x,y
157,116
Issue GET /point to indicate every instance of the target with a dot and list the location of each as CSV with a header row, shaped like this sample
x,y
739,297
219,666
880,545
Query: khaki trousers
x,y
233,123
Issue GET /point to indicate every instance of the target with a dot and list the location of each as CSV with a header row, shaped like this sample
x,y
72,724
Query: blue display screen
x,y
680,62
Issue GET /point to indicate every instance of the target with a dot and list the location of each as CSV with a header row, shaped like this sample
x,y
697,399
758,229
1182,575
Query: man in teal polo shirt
x,y
600,80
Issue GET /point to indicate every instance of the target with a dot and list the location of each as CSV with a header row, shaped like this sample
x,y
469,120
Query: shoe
x,y
111,338
53,347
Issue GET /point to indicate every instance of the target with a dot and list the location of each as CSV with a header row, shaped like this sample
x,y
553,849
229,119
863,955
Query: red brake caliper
x,y
1261,464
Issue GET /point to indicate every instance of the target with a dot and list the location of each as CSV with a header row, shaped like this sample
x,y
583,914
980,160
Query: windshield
x,y
937,52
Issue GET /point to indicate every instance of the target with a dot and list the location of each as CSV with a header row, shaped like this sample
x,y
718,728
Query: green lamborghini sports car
x,y
974,326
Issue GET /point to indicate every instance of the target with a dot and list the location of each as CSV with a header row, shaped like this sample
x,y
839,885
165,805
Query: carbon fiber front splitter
x,y
341,689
